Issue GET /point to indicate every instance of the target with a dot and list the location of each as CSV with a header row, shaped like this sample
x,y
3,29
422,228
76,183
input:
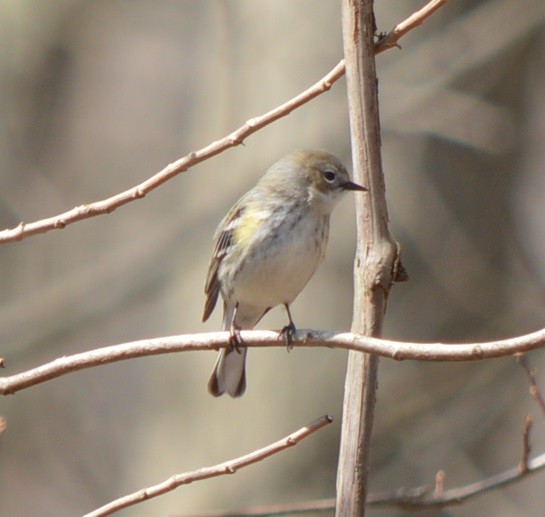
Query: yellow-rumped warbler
x,y
267,248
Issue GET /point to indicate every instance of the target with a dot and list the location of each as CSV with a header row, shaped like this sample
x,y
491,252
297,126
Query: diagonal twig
x,y
411,498
391,39
237,137
534,389
458,495
228,467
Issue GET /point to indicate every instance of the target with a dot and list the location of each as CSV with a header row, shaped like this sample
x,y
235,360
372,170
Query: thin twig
x,y
391,39
459,494
412,498
534,389
228,467
237,137
526,447
265,338
439,483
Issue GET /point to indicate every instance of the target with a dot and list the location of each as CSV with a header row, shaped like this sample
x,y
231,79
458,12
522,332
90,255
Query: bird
x,y
267,248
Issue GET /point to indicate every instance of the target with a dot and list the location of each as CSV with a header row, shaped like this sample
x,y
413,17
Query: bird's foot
x,y
235,340
288,333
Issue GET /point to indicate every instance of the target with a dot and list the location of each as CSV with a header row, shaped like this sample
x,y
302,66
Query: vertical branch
x,y
376,255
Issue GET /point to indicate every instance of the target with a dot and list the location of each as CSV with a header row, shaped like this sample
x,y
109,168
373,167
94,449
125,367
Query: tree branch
x,y
228,467
426,499
391,39
376,255
534,389
265,338
237,137
411,498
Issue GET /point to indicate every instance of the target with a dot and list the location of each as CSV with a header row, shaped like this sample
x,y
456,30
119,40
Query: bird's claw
x,y
235,341
288,333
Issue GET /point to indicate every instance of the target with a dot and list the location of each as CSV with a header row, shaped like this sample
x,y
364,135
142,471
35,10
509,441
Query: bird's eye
x,y
329,175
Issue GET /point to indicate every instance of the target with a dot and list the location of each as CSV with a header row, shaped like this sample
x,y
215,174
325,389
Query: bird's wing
x,y
224,241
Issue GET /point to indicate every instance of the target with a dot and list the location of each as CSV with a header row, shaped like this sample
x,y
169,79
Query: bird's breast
x,y
280,257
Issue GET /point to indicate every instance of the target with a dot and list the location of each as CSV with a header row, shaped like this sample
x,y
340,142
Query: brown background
x,y
97,96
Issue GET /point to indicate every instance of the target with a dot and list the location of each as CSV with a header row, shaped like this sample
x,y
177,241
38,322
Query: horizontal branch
x,y
237,137
265,338
228,467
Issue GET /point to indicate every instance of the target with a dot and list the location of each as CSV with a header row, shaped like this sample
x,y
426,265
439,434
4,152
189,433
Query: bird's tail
x,y
229,374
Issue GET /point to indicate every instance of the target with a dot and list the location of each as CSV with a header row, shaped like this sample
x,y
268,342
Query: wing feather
x,y
224,240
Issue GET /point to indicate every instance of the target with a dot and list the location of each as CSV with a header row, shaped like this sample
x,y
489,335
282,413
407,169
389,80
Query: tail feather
x,y
229,374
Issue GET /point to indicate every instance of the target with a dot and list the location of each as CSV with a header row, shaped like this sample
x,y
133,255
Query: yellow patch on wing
x,y
249,223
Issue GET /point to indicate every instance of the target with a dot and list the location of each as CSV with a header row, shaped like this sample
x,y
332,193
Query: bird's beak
x,y
349,185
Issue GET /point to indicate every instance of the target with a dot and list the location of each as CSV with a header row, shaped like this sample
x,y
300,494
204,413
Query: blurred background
x,y
97,96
